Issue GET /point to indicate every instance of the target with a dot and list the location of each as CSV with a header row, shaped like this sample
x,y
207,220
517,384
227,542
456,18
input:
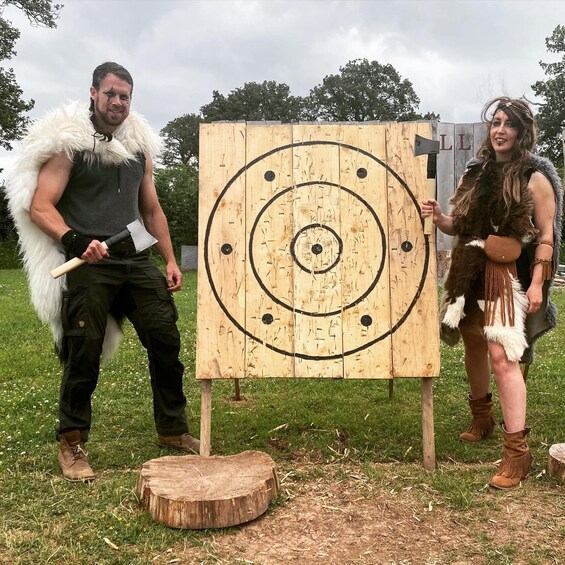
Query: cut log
x,y
556,461
195,492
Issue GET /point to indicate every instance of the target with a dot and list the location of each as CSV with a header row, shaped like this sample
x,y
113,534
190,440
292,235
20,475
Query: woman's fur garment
x,y
66,130
465,280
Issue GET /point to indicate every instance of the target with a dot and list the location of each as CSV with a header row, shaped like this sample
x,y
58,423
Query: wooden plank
x,y
446,180
479,133
222,254
316,228
413,285
365,276
205,416
269,269
465,140
428,438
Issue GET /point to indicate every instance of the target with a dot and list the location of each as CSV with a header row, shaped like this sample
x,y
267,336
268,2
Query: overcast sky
x,y
457,53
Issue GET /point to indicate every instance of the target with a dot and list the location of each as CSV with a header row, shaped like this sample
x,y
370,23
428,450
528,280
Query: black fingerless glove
x,y
75,243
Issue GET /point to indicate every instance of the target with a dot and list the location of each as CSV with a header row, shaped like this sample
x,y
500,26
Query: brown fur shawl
x,y
465,284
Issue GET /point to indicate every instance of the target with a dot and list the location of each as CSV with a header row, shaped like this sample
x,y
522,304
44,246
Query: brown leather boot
x,y
73,458
516,460
483,422
183,442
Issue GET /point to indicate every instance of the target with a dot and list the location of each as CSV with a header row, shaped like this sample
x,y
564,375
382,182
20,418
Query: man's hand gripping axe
x,y
429,147
135,232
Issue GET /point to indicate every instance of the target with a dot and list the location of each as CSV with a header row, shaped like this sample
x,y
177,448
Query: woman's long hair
x,y
521,116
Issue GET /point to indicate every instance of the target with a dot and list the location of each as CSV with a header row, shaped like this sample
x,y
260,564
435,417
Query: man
x,y
94,176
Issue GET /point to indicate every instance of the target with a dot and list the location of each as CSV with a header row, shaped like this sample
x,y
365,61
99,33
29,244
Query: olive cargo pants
x,y
130,286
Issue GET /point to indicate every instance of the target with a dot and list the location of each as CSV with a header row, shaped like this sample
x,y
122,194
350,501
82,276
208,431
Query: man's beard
x,y
105,120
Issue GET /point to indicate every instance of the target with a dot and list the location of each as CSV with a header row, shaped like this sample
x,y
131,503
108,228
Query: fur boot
x,y
483,421
516,460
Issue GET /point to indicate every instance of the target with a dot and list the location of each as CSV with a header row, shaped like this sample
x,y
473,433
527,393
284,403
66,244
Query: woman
x,y
506,216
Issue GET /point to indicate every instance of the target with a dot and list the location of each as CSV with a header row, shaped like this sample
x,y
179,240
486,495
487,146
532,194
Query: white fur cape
x,y
65,130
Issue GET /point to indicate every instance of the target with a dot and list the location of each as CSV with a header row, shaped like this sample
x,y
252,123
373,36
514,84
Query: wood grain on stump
x,y
556,461
195,492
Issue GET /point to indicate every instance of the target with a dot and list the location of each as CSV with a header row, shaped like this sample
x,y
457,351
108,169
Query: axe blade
x,y
141,238
135,231
424,146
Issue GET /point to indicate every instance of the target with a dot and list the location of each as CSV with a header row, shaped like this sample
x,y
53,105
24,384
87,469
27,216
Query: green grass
x,y
305,425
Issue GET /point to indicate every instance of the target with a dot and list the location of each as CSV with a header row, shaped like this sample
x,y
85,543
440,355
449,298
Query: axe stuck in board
x,y
429,147
134,232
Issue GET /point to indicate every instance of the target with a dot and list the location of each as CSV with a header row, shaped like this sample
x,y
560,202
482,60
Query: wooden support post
x,y
205,416
237,391
428,439
390,388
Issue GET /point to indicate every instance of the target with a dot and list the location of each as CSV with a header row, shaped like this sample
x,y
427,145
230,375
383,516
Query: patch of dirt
x,y
346,518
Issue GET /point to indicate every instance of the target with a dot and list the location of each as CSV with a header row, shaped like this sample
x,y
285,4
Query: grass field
x,y
310,428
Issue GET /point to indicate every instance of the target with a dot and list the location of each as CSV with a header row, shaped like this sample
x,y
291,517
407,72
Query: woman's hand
x,y
431,208
443,222
534,295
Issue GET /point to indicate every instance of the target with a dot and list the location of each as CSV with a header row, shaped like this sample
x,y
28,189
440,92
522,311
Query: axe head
x,y
139,236
424,146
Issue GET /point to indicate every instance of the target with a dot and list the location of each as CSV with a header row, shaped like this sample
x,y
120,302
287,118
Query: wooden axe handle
x,y
431,195
70,265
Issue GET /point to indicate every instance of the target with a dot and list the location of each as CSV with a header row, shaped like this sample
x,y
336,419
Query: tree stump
x,y
556,461
195,492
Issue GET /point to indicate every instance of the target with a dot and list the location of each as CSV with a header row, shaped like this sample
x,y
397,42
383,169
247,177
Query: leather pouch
x,y
502,249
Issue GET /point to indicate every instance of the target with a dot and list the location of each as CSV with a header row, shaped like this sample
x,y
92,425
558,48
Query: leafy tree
x,y
12,107
365,90
9,258
252,102
7,230
255,102
181,140
551,115
177,188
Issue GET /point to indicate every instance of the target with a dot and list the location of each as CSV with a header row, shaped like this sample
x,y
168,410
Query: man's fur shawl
x,y
516,344
66,130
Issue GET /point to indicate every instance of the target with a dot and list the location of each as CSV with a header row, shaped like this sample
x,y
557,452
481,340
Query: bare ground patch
x,y
344,517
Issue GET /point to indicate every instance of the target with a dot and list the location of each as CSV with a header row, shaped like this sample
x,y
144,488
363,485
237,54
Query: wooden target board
x,y
313,260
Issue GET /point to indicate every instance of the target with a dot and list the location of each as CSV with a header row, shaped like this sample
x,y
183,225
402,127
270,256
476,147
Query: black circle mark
x,y
226,248
269,176
270,345
267,319
366,320
406,246
361,173
291,307
301,231
317,248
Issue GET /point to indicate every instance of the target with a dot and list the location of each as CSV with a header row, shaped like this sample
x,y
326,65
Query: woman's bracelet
x,y
545,242
547,268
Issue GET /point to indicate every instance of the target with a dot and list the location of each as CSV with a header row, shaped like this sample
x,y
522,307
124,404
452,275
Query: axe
x,y
135,231
429,147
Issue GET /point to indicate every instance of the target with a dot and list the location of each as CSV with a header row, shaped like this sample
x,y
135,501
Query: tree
x,y
181,140
365,90
551,115
177,188
7,229
12,107
252,102
255,102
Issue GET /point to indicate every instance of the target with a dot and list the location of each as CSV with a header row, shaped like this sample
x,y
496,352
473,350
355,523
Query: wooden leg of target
x,y
205,416
428,439
390,388
237,391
